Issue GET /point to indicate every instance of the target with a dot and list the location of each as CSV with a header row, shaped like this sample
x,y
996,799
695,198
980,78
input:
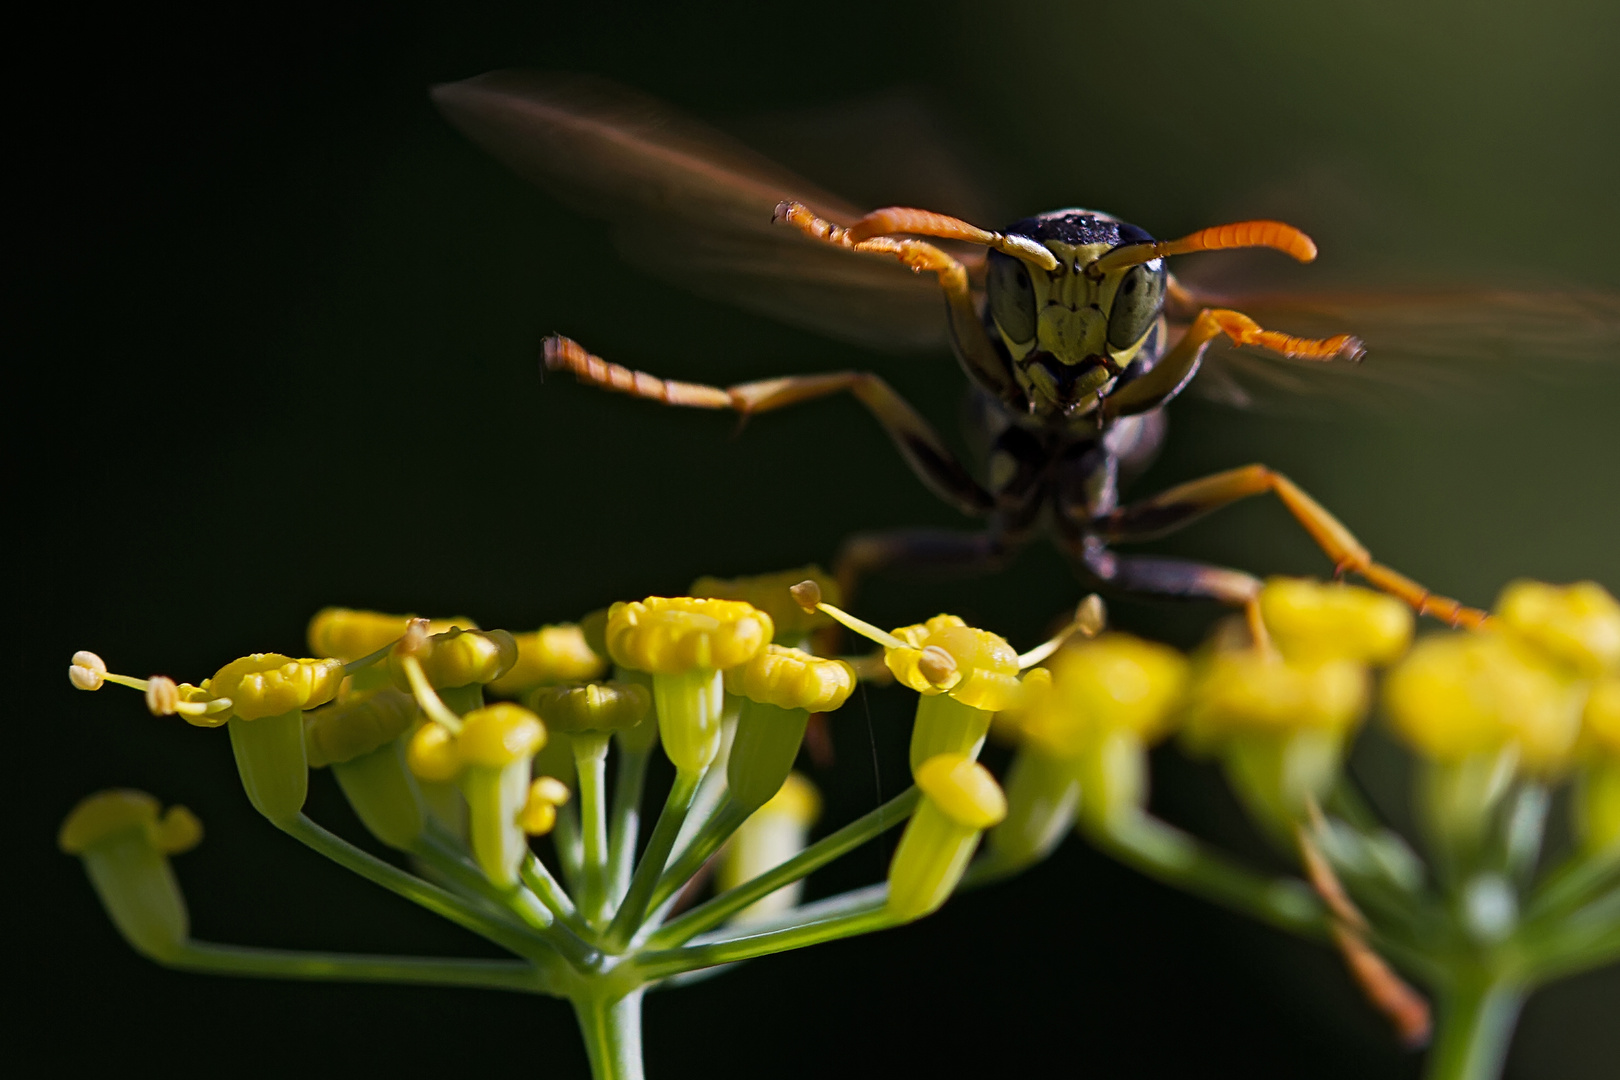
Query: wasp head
x,y
1070,332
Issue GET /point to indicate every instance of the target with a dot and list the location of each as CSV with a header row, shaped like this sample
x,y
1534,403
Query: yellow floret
x,y
1113,683
433,755
347,634
550,655
539,813
107,814
1600,720
603,706
1242,692
269,684
1311,621
674,635
963,790
1575,625
458,658
356,725
791,679
499,735
769,593
1459,695
985,674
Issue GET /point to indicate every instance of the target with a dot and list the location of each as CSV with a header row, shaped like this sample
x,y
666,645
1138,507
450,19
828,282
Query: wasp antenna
x,y
1239,234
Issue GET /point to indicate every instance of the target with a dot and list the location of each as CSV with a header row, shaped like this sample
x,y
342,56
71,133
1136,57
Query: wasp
x,y
1069,326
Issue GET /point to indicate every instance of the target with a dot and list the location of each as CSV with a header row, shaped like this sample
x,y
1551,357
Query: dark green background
x,y
279,326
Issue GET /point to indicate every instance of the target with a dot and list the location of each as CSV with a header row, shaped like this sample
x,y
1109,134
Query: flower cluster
x,y
459,745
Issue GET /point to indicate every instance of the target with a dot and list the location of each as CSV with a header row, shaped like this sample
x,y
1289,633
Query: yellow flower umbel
x,y
960,800
362,737
1086,737
125,847
1280,720
684,644
772,835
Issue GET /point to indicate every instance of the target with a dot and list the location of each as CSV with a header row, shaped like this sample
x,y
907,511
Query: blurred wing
x,y
693,205
1422,347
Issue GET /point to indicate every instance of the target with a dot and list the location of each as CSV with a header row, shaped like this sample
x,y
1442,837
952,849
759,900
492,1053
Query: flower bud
x,y
1312,622
1575,626
346,634
1115,682
597,706
539,814
125,848
456,658
361,737
547,656
960,800
269,684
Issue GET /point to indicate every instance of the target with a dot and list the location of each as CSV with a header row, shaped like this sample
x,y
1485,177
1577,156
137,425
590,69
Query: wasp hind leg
x,y
1181,505
1171,578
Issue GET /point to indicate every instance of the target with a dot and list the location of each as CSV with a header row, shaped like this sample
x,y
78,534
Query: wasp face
x,y
1068,332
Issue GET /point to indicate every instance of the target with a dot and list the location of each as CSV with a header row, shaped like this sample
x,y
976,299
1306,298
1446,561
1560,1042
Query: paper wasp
x,y
1068,324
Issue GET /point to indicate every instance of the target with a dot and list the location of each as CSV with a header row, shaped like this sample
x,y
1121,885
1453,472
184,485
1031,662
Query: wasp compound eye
x,y
1011,298
1136,304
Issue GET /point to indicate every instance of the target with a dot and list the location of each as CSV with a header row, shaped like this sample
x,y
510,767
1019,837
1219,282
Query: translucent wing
x,y
1422,346
693,205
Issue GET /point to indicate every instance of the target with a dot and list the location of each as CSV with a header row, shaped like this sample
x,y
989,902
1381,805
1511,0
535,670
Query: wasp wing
x,y
1422,346
693,205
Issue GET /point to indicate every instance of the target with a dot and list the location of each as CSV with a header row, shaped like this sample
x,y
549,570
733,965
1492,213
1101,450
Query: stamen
x,y
937,666
808,596
1090,617
414,641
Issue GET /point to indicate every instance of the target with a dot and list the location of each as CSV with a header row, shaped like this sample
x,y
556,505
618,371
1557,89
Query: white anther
x,y
88,671
162,696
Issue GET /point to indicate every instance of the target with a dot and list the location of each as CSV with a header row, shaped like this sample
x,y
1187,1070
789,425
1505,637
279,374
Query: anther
x,y
936,665
1091,616
88,670
807,594
162,696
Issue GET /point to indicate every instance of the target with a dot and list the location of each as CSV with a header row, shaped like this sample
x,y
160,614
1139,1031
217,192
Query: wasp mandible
x,y
1069,325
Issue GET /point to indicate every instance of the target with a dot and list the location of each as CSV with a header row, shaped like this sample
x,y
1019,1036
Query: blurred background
x,y
277,328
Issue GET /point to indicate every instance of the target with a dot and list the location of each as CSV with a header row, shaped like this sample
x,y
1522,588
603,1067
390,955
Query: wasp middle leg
x,y
1185,503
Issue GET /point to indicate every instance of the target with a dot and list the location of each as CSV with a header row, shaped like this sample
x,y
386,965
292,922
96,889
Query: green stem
x,y
537,877
1164,852
870,915
570,849
634,909
463,874
419,971
812,858
626,816
612,1033
590,763
1477,1016
1576,881
461,912
715,831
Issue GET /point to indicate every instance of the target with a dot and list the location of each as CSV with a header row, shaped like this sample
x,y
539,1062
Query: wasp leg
x,y
928,457
1185,503
921,549
973,344
1166,378
1179,579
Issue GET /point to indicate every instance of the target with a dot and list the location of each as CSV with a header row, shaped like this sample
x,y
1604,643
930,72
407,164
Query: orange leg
x,y
1185,503
928,457
1171,373
977,353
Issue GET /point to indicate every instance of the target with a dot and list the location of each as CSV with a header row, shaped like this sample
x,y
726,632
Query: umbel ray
x,y
1069,326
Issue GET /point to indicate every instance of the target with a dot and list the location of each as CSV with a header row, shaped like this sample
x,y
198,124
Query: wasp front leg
x,y
922,449
1181,505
